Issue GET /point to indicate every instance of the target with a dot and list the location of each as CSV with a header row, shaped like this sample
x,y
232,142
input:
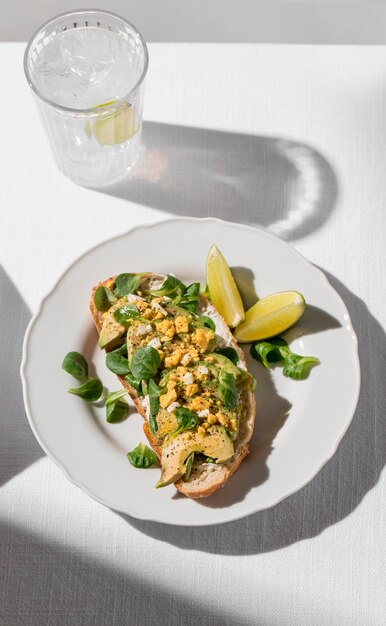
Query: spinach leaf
x,y
230,354
276,350
126,313
180,295
189,299
188,466
145,363
91,390
126,283
171,287
270,351
135,383
203,320
117,362
75,364
227,389
142,457
298,367
103,298
186,420
154,394
116,408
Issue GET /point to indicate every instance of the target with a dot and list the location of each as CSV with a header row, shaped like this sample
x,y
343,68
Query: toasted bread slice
x,y
205,478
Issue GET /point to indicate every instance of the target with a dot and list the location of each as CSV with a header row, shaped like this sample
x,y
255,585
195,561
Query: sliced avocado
x,y
166,423
175,310
215,443
223,362
111,329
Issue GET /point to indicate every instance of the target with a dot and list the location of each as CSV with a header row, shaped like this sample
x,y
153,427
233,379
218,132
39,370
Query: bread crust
x,y
205,478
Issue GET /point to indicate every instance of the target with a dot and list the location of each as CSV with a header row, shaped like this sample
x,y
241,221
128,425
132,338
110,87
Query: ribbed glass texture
x,y
86,70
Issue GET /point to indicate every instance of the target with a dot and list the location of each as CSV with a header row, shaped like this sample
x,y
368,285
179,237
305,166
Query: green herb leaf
x,y
103,298
127,313
135,383
206,293
116,408
126,283
203,320
276,350
270,351
117,362
154,394
116,412
145,363
186,420
229,353
75,364
142,457
228,389
113,396
189,298
91,390
188,466
171,287
298,367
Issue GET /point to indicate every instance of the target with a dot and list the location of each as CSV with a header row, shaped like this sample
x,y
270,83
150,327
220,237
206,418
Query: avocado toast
x,y
185,373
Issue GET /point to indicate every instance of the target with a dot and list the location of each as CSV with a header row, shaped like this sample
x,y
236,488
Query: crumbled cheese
x,y
146,405
173,406
159,308
202,369
132,298
143,329
203,413
157,284
188,378
186,359
155,343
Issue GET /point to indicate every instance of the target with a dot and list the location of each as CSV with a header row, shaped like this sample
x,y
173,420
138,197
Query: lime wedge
x,y
271,316
223,289
114,128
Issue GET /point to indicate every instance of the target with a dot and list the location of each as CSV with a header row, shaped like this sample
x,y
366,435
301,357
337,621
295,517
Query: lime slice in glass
x,y
114,128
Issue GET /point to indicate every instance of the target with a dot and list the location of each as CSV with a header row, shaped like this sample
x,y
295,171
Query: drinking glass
x,y
86,70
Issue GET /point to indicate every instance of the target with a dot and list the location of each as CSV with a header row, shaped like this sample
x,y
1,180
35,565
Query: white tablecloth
x,y
289,137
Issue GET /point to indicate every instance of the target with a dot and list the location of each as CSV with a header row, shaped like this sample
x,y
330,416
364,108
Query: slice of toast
x,y
205,478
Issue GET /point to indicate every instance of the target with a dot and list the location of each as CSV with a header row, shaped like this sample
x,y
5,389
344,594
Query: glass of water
x,y
86,70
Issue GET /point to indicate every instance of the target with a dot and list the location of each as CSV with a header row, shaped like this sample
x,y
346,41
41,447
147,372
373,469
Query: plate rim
x,y
184,219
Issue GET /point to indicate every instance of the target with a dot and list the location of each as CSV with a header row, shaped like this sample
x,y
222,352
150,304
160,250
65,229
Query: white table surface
x,y
294,140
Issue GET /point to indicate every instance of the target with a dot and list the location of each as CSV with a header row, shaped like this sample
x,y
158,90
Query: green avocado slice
x,y
111,329
215,443
223,362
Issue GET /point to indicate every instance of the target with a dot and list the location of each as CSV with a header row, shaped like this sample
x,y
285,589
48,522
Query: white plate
x,y
298,423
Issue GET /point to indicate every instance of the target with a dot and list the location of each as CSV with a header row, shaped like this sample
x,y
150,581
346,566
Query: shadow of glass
x,y
283,185
337,489
18,446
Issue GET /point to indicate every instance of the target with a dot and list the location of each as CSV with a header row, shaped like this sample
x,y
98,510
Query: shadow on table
x,y
18,446
47,584
276,183
337,489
